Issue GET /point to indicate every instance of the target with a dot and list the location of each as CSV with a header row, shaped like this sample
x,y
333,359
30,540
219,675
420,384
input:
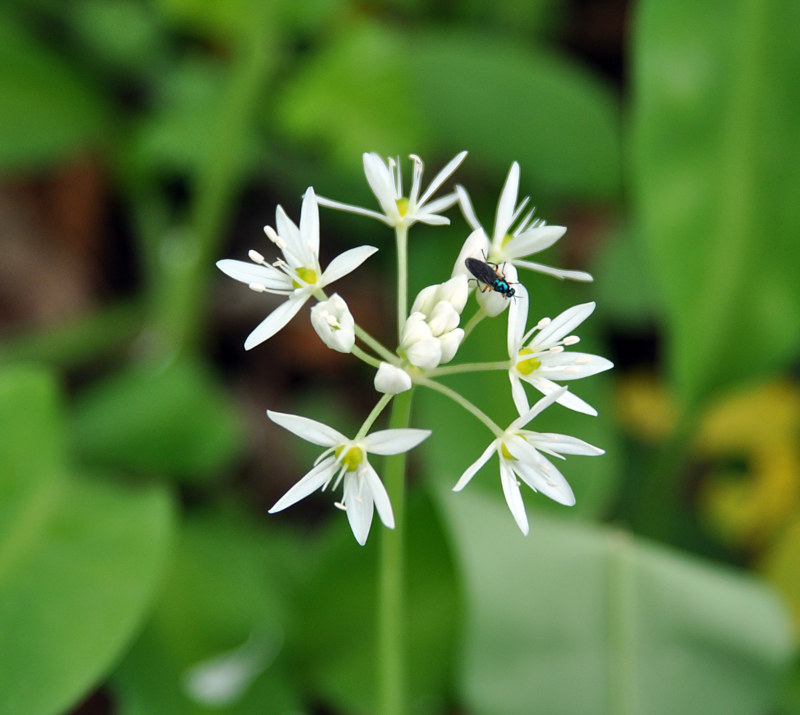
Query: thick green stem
x,y
391,594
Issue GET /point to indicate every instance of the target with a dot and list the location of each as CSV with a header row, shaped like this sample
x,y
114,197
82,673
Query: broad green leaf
x,y
79,558
226,587
175,421
715,181
48,110
583,619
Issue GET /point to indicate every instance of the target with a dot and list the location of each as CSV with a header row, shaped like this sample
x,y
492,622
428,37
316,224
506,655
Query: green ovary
x,y
526,367
506,453
402,206
309,275
352,458
506,239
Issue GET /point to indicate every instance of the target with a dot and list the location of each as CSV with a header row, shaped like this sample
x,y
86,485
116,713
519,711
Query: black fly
x,y
488,273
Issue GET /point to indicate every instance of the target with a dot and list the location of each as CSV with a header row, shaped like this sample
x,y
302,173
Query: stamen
x,y
571,340
339,505
256,257
274,237
543,323
257,287
556,349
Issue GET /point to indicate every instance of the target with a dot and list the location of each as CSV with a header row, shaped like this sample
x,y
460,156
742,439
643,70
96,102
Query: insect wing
x,y
482,271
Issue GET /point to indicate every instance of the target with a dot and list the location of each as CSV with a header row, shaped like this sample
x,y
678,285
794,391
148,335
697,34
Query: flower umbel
x,y
347,460
520,454
512,244
298,274
539,358
386,182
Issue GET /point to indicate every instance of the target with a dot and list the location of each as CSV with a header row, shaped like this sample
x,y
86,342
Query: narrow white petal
x,y
287,229
276,320
538,408
473,469
518,394
557,272
437,205
271,278
539,474
430,219
345,263
341,206
380,180
505,206
566,399
394,441
309,224
572,366
312,481
513,497
476,246
310,430
359,507
442,176
465,204
563,444
533,240
563,324
517,319
374,485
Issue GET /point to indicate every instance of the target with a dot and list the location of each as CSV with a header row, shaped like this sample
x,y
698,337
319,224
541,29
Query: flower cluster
x,y
430,334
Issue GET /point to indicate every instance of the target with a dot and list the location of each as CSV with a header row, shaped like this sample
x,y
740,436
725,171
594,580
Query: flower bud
x,y
334,324
449,343
443,318
391,380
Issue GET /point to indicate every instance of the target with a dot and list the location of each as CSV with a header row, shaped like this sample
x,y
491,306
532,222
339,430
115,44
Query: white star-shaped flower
x,y
298,274
520,453
386,182
538,357
346,459
509,244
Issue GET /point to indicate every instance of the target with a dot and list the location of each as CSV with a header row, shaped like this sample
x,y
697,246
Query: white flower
x,y
346,459
298,274
386,182
391,380
418,344
334,323
538,357
519,451
455,291
511,245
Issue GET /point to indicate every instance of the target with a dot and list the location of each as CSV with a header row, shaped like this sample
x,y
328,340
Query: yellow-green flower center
x,y
402,206
309,275
526,367
505,452
506,239
352,458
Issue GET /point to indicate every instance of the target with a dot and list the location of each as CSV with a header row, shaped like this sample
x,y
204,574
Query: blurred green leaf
x,y
715,156
228,582
79,558
337,603
175,421
640,628
48,110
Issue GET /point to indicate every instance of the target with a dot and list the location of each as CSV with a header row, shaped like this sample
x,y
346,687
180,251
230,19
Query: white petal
x,y
394,441
380,496
312,481
538,408
466,208
442,176
563,444
566,399
380,180
287,229
473,469
310,430
271,278
425,354
505,206
436,206
309,224
391,380
563,324
345,263
517,319
341,206
450,343
492,302
359,507
533,240
572,366
476,246
513,498
539,474
557,272
276,320
518,394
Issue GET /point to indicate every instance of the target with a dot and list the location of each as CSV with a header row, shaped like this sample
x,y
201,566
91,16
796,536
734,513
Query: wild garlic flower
x,y
386,182
334,324
539,358
297,275
391,380
347,460
512,244
520,452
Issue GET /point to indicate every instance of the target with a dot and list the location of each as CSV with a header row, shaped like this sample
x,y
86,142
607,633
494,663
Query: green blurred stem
x,y
186,259
391,592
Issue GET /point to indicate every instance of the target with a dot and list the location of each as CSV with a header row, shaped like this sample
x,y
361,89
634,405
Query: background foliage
x,y
140,141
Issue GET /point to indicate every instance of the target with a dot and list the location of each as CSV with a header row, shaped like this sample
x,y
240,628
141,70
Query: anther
x,y
571,340
258,287
255,256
